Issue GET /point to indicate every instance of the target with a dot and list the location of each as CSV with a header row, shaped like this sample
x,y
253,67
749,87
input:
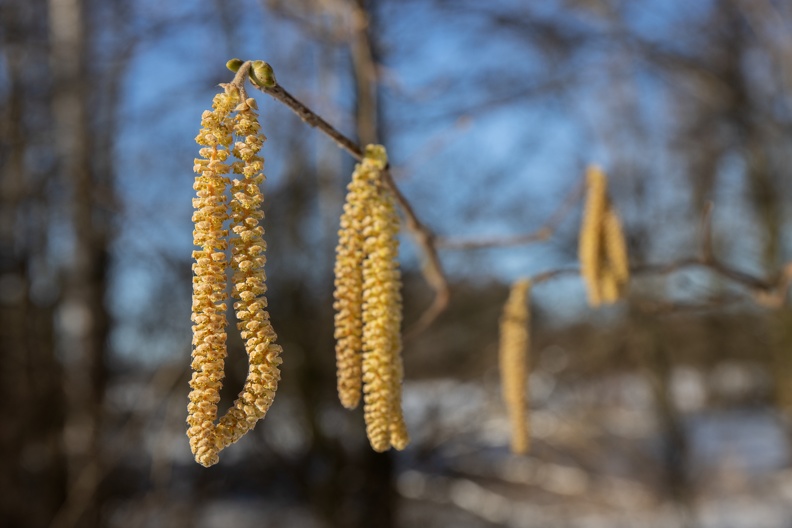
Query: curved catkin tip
x,y
513,357
590,251
247,261
616,248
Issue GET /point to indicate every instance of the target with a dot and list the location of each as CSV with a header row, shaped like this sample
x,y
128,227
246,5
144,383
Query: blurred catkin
x,y
368,304
209,283
514,361
590,248
616,248
602,248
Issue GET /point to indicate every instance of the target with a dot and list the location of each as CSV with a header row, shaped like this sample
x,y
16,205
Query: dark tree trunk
x,y
82,319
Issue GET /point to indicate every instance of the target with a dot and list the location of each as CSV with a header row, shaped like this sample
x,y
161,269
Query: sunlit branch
x,y
432,268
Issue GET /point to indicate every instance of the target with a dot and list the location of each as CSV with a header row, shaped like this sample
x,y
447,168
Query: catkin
x,y
514,361
249,287
616,247
602,248
348,294
368,304
590,248
209,281
247,251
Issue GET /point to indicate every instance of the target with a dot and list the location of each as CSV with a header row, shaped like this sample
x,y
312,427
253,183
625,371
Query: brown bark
x,y
81,317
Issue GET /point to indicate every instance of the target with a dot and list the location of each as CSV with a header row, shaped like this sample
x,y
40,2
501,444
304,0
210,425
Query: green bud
x,y
234,64
262,75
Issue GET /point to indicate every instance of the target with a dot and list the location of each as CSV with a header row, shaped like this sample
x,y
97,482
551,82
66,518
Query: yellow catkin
x,y
368,304
616,250
249,286
590,244
348,292
608,286
390,276
381,306
209,283
399,437
603,257
514,360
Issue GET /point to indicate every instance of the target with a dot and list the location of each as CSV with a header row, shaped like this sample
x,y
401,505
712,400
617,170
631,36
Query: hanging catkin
x,y
207,439
368,304
514,362
602,248
350,254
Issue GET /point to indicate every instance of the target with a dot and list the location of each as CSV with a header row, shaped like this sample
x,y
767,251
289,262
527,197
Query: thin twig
x,y
432,267
540,235
707,253
240,78
761,288
749,281
310,118
547,276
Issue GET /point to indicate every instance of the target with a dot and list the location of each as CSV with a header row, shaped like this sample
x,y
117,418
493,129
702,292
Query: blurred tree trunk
x,y
33,476
380,489
657,367
82,321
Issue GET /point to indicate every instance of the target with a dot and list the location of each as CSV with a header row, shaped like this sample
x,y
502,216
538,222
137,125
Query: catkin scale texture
x,y
207,439
208,303
368,304
350,255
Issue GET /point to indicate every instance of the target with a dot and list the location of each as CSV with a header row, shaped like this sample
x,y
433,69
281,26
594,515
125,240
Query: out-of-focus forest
x,y
670,408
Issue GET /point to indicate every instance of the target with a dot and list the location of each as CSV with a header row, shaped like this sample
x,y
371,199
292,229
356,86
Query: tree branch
x,y
540,235
766,292
425,238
